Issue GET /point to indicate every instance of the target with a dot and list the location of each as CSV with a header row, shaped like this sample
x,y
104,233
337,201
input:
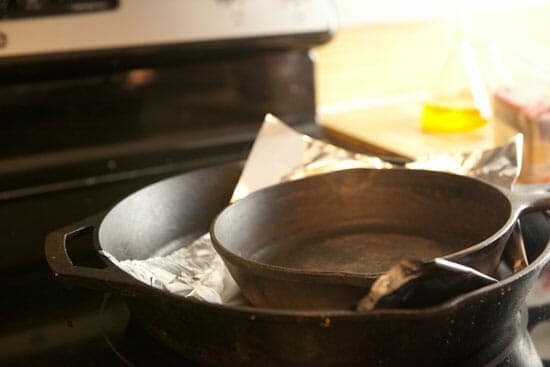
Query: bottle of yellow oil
x,y
460,102
451,113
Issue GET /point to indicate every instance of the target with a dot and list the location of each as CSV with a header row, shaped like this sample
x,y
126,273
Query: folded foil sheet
x,y
279,154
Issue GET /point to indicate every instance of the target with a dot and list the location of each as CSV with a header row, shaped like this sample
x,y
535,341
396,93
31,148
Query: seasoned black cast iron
x,y
141,225
319,243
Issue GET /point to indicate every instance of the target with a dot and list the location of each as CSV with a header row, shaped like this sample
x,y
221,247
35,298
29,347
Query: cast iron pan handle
x,y
528,198
86,268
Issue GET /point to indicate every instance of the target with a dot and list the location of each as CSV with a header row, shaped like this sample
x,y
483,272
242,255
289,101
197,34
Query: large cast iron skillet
x,y
320,242
141,225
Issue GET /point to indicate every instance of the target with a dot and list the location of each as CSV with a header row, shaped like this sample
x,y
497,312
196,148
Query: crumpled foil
x,y
279,154
194,270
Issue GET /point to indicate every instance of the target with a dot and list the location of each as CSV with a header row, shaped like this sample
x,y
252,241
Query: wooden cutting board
x,y
395,130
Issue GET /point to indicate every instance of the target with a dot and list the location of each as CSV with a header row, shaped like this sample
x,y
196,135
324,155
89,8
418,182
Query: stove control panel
x,y
16,9
79,25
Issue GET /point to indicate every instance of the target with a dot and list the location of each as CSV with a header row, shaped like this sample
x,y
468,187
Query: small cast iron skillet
x,y
319,243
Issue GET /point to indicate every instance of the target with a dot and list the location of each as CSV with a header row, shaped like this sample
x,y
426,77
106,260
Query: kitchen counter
x,y
369,99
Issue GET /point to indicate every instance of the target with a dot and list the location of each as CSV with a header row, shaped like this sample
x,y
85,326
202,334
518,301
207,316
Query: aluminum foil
x,y
194,270
279,154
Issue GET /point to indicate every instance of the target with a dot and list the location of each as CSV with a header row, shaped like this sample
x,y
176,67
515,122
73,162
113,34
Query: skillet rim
x,y
351,278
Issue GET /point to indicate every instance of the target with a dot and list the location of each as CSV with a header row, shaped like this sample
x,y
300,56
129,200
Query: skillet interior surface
x,y
171,212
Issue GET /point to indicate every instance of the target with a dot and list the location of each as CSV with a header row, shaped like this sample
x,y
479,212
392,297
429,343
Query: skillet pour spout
x,y
320,242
